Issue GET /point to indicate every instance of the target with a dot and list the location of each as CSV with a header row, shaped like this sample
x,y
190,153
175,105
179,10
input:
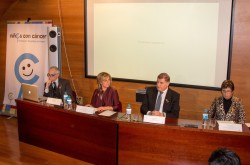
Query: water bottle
x,y
205,118
128,112
65,97
69,102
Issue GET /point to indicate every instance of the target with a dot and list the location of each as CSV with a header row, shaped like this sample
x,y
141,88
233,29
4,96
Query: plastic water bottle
x,y
69,102
205,118
65,97
128,112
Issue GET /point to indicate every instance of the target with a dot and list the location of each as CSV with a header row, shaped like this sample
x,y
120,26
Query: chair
x,y
74,96
140,95
120,107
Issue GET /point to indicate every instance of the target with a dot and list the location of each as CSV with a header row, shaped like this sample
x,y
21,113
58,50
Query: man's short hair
x,y
224,156
56,68
165,76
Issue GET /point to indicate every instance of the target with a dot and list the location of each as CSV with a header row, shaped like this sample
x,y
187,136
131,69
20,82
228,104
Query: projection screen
x,y
135,40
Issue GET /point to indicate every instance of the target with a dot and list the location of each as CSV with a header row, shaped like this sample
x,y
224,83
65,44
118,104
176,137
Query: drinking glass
x,y
212,123
135,117
43,102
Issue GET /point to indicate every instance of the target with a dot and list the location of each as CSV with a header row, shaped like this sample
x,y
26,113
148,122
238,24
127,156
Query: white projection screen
x,y
135,40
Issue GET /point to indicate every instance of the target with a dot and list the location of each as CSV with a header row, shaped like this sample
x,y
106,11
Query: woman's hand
x,y
101,109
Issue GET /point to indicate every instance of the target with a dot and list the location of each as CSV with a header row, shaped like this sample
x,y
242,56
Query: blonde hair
x,y
100,77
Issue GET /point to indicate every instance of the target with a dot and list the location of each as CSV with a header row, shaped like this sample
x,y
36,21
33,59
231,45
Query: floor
x,y
14,152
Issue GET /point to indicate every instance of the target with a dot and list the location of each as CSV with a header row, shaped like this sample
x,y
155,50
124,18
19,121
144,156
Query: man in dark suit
x,y
161,100
56,87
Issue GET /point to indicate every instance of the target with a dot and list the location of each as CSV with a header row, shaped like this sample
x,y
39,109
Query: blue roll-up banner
x,y
26,57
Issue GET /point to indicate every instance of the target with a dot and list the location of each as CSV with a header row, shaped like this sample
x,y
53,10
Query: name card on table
x,y
54,101
85,109
247,124
229,126
154,119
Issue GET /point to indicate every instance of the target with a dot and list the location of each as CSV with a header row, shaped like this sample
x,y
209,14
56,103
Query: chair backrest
x,y
140,95
74,96
120,107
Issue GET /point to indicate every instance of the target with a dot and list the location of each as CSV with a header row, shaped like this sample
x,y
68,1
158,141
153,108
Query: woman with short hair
x,y
227,107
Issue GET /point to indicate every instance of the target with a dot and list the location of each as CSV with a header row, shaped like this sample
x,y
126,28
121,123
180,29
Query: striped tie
x,y
158,102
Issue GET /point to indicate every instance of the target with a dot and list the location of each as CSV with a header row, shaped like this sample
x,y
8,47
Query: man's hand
x,y
156,113
48,84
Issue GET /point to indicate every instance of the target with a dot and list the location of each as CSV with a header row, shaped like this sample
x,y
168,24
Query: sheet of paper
x,y
154,119
85,109
54,101
107,113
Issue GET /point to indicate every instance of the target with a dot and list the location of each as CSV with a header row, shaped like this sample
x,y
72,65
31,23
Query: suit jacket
x,y
235,113
170,106
62,87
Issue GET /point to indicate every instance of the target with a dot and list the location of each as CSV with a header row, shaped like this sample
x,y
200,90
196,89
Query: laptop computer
x,y
30,92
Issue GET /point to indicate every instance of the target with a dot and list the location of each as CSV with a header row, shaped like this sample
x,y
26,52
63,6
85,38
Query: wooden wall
x,y
193,101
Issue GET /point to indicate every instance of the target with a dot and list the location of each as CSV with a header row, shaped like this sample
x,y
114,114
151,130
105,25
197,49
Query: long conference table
x,y
109,140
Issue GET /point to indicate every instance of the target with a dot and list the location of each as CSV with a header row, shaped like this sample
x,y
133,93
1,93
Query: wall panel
x,y
193,101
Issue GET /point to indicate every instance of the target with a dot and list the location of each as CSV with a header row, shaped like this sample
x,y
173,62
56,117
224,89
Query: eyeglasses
x,y
51,75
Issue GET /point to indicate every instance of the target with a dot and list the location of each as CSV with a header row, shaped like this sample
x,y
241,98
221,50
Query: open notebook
x,y
30,92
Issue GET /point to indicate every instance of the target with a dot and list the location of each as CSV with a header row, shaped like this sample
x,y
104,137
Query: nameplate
x,y
54,101
229,126
85,109
154,119
247,124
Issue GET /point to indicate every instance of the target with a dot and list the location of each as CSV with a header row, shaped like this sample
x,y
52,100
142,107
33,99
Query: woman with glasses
x,y
227,107
105,97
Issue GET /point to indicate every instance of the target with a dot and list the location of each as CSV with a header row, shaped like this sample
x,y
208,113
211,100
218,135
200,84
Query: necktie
x,y
54,89
54,85
158,102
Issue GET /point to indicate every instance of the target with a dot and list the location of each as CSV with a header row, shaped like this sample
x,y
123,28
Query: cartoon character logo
x,y
24,69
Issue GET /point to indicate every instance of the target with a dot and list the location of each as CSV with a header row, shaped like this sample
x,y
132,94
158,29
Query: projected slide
x,y
137,40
